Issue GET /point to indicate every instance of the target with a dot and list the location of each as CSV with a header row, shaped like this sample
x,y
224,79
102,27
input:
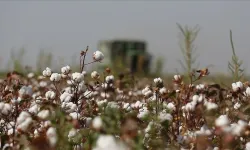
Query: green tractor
x,y
126,54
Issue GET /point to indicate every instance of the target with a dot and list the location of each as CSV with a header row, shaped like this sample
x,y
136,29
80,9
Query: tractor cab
x,y
130,54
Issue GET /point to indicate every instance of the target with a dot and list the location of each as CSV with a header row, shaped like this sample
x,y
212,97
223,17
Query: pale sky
x,y
67,27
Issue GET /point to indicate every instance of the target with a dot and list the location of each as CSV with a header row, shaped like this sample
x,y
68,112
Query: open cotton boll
x,y
25,124
66,97
158,81
109,79
30,75
142,113
237,86
50,95
163,91
163,116
47,72
248,146
52,136
44,114
190,106
108,142
210,105
5,108
177,78
74,115
95,75
200,87
65,70
55,77
222,121
238,128
97,122
247,91
34,109
237,105
171,107
23,121
72,133
77,77
204,131
195,98
22,116
98,56
25,90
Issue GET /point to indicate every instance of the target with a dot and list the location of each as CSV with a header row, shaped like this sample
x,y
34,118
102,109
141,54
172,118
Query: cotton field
x,y
99,110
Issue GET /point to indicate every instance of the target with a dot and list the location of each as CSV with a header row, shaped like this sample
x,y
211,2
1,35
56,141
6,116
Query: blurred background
x,y
41,33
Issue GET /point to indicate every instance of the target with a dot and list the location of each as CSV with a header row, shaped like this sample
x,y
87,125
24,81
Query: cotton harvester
x,y
131,54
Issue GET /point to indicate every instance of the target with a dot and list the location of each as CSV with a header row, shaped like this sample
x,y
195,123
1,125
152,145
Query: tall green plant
x,y
235,64
188,49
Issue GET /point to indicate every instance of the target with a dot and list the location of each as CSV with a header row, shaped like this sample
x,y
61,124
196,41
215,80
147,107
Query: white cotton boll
x,y
44,114
204,131
234,87
195,98
201,98
65,70
10,132
34,109
109,142
177,77
74,115
200,87
158,81
98,56
171,107
66,97
239,84
238,128
248,146
248,91
142,114
222,121
165,116
6,109
50,95
138,104
43,84
31,75
109,79
36,133
237,105
95,75
210,105
25,90
52,136
99,103
77,77
47,72
163,90
190,106
72,133
25,124
126,105
55,77
22,117
97,122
